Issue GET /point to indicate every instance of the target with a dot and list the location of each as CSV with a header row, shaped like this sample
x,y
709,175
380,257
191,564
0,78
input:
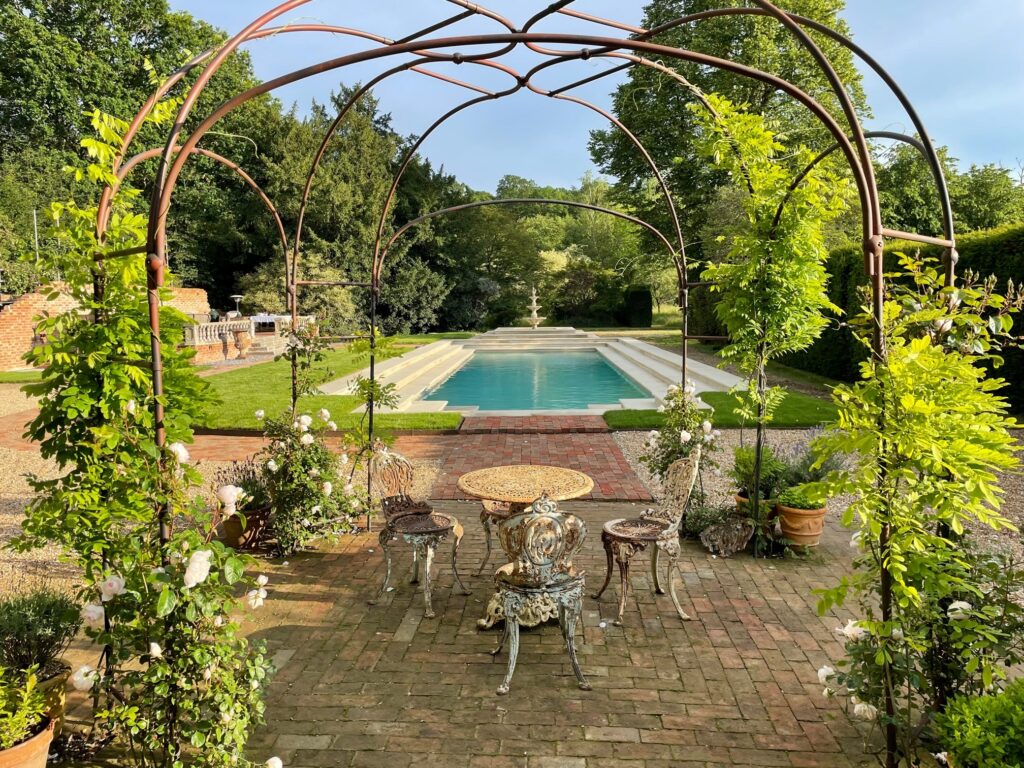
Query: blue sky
x,y
961,64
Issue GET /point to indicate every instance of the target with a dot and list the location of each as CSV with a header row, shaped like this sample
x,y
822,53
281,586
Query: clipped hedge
x,y
637,308
837,354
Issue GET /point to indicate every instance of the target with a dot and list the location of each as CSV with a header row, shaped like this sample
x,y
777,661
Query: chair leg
x,y
485,521
501,641
415,577
512,629
672,550
385,544
607,542
458,531
428,560
571,616
655,576
623,554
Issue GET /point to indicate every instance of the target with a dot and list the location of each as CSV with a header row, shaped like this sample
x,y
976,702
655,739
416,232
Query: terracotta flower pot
x,y
234,536
54,692
31,753
802,527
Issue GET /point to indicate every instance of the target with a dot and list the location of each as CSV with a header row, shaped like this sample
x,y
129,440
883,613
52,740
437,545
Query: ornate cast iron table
x,y
519,485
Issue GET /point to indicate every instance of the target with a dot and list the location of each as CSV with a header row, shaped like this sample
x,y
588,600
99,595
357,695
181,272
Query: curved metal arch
x,y
516,201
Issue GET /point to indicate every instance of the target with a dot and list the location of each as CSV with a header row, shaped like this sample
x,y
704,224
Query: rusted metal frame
x,y
519,201
701,337
336,283
435,27
900,235
135,251
603,22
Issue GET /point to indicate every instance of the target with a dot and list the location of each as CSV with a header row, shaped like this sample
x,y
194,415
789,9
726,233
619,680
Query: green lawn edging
x,y
797,411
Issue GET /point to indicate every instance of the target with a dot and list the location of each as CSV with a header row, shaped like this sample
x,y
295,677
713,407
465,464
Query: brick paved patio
x,y
533,424
364,685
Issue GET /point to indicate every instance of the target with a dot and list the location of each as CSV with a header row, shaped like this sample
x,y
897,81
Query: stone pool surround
x,y
652,368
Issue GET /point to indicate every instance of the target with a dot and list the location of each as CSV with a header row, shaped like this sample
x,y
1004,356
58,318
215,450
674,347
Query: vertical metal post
x,y
684,308
154,279
373,385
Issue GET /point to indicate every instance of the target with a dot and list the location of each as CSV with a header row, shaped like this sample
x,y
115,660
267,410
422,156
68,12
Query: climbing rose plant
x,y
686,426
174,678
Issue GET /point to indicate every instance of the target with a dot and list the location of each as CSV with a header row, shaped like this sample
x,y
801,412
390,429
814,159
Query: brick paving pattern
x,y
362,685
532,424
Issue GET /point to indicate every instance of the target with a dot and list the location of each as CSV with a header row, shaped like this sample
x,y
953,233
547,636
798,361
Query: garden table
x,y
519,485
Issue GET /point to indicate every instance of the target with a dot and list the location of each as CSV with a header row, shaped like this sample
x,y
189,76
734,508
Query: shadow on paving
x,y
362,685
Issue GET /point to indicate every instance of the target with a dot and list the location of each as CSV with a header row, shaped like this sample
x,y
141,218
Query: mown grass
x,y
796,411
19,377
267,386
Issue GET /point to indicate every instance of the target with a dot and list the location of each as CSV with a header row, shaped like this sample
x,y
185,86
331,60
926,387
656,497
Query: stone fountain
x,y
534,320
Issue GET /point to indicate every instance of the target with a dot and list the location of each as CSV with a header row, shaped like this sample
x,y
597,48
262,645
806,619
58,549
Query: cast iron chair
x,y
541,541
415,521
491,512
624,538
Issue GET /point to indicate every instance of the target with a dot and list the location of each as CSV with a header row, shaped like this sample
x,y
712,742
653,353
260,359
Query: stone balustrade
x,y
198,334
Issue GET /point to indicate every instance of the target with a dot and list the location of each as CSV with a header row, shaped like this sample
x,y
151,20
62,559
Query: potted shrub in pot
x,y
25,729
35,630
244,504
801,514
773,473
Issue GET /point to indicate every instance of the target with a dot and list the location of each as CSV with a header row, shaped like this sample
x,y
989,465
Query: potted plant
x,y
801,514
244,504
25,730
770,482
35,630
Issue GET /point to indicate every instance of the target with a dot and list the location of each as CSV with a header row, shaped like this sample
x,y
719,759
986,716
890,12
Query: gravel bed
x,y
13,400
719,486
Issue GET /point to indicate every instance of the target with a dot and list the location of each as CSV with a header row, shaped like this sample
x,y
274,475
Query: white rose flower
x,y
690,387
198,568
260,414
825,673
343,459
314,472
328,488
92,614
828,693
262,580
179,451
324,414
156,651
255,598
228,495
865,711
852,631
306,439
272,465
218,621
661,409
706,426
959,610
672,389
685,437
305,420
85,678
111,587
332,426
274,762
304,522
855,540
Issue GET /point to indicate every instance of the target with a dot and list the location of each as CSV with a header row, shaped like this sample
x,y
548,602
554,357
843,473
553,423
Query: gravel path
x,y
13,400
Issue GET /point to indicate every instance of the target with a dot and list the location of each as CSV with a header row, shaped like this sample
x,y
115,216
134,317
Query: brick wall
x,y
18,320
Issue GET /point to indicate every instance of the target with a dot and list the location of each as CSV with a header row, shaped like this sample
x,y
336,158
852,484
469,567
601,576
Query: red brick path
x,y
532,424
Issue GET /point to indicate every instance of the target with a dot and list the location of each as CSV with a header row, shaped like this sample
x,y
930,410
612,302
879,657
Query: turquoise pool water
x,y
535,381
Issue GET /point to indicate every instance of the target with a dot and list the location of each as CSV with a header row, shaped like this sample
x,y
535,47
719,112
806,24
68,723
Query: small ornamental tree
x,y
771,283
174,679
927,434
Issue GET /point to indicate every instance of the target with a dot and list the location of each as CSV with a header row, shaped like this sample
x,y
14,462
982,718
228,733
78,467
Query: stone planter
x,y
54,692
802,527
31,753
237,537
243,340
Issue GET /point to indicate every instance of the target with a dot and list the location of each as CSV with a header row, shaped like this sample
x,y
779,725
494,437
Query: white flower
x,y
328,488
690,388
255,597
274,762
259,414
685,437
672,389
343,459
661,409
306,439
85,678
653,434
314,511
272,465
305,522
716,434
324,414
897,634
228,495
855,540
156,651
111,587
198,568
706,426
305,420
262,580
941,757
825,673
208,674
942,325
227,717
959,610
218,621
130,407
332,426
865,711
314,472
179,451
254,684
828,693
852,631
92,614
348,489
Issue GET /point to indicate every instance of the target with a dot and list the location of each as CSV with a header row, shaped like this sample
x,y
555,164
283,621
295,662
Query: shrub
x,y
804,464
700,517
22,707
985,731
36,628
773,471
637,308
801,498
686,426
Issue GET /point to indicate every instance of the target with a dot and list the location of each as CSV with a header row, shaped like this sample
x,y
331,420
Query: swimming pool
x,y
535,381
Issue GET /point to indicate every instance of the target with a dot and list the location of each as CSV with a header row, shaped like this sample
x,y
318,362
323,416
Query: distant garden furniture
x,y
623,538
514,488
541,542
415,522
491,512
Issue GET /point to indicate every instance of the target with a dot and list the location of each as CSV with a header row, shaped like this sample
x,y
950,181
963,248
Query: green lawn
x,y
19,377
267,386
797,410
